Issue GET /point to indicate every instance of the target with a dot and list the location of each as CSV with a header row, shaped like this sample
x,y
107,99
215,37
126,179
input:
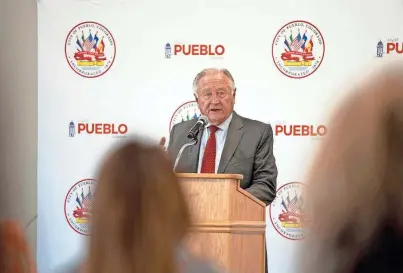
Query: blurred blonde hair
x,y
15,254
355,183
139,213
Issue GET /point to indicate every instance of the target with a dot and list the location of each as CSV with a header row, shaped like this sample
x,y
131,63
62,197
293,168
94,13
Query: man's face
x,y
215,97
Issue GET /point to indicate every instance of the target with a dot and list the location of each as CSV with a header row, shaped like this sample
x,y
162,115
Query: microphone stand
x,y
193,142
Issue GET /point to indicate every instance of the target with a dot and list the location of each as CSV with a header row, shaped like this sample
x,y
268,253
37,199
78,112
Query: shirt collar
x,y
223,126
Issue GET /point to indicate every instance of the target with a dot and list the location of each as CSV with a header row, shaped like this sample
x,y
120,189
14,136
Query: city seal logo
x,y
78,205
90,49
187,111
287,211
298,49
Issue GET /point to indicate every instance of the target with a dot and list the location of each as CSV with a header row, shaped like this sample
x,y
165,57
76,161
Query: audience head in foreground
x,y
15,254
139,213
355,186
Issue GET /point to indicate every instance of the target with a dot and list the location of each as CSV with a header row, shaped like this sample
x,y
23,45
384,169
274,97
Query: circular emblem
x,y
78,205
187,111
90,49
298,49
287,211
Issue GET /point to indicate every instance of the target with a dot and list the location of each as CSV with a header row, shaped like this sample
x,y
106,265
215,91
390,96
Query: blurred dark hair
x,y
139,213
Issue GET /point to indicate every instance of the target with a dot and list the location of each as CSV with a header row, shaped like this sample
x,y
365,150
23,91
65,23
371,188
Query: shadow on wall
x,y
18,114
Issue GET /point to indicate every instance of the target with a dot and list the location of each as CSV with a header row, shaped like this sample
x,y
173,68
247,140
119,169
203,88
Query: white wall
x,y
18,113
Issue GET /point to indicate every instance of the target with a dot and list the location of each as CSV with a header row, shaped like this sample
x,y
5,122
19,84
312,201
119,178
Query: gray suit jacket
x,y
248,150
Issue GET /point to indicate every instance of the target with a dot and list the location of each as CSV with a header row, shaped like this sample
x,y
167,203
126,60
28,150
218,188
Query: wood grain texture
x,y
229,224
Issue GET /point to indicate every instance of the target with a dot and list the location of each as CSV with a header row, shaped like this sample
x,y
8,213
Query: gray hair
x,y
206,71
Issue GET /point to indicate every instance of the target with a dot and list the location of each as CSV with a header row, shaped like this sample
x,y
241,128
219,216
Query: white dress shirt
x,y
221,136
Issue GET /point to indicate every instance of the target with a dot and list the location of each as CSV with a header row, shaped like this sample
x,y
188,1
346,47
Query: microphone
x,y
178,156
194,131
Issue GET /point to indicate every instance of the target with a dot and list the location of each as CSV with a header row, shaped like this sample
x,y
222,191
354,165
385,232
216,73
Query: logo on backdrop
x,y
187,111
287,211
85,128
193,50
78,205
90,49
298,49
300,130
392,46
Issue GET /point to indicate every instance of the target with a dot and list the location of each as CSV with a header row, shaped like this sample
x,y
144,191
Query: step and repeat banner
x,y
108,69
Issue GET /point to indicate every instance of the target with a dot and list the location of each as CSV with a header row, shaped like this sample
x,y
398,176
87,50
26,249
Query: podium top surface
x,y
210,175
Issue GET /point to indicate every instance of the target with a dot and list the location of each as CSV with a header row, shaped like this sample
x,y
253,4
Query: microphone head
x,y
203,119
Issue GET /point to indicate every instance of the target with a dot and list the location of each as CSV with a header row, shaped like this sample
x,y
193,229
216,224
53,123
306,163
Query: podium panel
x,y
229,224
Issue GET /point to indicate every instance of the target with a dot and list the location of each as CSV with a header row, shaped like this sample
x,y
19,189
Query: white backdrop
x,y
138,87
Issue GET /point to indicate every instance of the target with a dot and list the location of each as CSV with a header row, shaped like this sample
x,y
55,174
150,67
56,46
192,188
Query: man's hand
x,y
162,143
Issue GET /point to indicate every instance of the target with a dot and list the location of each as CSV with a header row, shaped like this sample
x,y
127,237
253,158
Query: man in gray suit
x,y
229,143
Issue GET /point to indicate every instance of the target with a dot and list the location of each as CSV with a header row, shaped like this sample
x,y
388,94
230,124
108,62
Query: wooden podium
x,y
229,223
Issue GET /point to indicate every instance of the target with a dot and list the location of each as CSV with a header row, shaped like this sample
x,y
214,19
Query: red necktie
x,y
208,163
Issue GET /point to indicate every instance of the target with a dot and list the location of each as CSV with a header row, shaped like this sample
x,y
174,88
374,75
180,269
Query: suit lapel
x,y
234,135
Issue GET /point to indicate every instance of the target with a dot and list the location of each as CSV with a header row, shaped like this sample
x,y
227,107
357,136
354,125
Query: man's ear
x,y
234,92
196,98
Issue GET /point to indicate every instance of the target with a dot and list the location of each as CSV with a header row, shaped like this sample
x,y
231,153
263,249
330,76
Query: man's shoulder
x,y
184,125
252,123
